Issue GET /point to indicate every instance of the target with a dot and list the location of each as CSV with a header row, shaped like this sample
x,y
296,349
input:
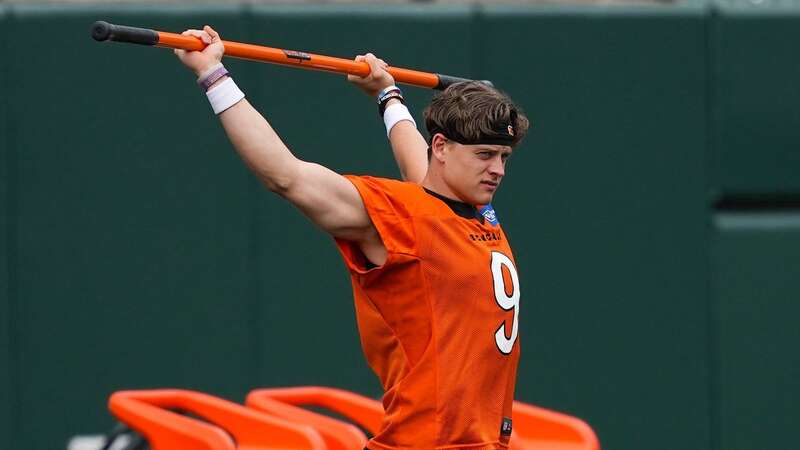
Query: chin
x,y
479,196
483,199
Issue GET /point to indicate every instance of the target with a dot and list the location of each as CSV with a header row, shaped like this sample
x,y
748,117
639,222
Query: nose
x,y
497,167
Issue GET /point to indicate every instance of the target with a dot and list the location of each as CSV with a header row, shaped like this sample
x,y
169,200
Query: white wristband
x,y
396,112
224,95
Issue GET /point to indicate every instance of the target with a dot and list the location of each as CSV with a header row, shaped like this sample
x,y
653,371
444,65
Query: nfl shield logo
x,y
488,213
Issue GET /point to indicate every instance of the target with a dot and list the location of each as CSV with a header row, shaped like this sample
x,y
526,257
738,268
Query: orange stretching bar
x,y
104,31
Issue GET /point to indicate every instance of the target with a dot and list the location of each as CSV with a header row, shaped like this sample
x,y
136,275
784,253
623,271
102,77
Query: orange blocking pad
x,y
230,426
541,429
364,411
338,435
535,428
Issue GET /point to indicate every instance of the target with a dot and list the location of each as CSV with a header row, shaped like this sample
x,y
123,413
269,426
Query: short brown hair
x,y
473,112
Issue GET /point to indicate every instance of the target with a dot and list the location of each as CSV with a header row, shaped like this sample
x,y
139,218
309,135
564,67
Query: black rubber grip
x,y
446,80
104,31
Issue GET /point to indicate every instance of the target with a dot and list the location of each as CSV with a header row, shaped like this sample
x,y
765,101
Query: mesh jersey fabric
x,y
437,320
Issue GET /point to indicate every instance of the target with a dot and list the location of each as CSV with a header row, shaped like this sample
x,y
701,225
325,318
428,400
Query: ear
x,y
438,146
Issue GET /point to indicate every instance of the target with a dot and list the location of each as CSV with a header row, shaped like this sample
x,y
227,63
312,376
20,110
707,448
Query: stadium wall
x,y
138,251
6,215
755,252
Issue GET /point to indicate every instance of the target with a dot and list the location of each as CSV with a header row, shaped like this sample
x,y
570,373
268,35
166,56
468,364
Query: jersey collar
x,y
461,209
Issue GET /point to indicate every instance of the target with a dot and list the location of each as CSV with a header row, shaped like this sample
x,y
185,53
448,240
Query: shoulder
x,y
399,198
387,185
378,190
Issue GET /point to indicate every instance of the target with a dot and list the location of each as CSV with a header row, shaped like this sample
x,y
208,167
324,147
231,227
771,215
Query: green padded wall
x,y
605,207
137,251
134,265
6,217
756,261
756,96
308,318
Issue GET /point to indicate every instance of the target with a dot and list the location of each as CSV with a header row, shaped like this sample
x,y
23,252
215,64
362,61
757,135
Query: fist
x,y
378,77
200,61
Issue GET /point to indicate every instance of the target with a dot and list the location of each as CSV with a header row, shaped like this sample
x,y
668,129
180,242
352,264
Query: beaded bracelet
x,y
210,76
389,93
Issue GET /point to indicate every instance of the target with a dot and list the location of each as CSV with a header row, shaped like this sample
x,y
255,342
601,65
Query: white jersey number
x,y
505,301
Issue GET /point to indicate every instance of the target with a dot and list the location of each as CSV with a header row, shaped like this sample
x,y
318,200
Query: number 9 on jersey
x,y
505,301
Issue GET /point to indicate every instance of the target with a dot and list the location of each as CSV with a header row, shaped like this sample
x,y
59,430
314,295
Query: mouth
x,y
491,185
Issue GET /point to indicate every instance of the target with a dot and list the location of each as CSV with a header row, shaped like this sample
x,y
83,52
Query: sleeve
x,y
387,203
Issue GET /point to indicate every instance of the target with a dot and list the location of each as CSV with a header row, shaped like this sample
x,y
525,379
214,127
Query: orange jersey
x,y
438,321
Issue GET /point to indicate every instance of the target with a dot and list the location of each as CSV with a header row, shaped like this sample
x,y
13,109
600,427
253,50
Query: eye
x,y
484,155
505,157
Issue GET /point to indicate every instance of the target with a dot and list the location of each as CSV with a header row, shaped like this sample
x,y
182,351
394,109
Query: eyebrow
x,y
493,150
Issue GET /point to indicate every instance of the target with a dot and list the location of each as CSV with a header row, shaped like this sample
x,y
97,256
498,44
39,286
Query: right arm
x,y
325,197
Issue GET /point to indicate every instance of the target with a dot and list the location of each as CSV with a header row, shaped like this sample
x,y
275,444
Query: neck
x,y
434,183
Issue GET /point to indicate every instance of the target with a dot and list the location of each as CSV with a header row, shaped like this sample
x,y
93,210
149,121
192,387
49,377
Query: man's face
x,y
474,172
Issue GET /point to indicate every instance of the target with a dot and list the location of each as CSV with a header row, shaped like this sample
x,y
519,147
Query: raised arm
x,y
325,197
408,146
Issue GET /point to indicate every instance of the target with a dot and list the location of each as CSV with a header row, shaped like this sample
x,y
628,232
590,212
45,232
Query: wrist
x,y
218,82
211,76
395,114
384,90
224,95
205,69
388,95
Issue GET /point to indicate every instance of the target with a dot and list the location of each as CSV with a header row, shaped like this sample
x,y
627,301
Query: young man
x,y
435,285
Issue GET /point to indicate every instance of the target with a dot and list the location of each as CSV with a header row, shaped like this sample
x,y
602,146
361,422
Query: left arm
x,y
408,146
410,150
